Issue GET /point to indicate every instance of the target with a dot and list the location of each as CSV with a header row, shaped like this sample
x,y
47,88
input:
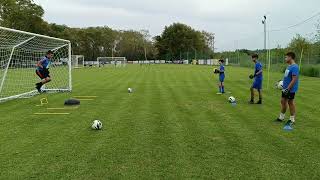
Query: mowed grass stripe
x,y
173,126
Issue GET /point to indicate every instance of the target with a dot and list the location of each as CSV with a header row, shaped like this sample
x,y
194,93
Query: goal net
x,y
19,53
77,61
115,61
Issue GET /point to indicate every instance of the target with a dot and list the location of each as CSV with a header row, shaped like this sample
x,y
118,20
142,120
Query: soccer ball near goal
x,y
232,99
96,125
279,85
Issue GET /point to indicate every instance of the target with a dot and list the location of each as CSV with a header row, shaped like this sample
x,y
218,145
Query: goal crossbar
x,y
33,34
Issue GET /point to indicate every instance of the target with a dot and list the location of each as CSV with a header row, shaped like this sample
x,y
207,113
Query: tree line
x,y
93,42
177,41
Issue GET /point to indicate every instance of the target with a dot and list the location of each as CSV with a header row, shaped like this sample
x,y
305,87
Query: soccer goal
x,y
77,61
19,53
115,61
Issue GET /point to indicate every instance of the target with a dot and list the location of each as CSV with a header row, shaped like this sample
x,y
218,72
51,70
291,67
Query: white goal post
x,y
19,53
77,61
116,61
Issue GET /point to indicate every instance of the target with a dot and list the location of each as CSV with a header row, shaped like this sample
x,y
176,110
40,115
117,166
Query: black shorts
x,y
43,73
289,96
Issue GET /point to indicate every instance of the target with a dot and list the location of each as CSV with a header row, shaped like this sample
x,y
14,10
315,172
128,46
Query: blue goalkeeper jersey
x,y
292,70
45,63
221,70
258,67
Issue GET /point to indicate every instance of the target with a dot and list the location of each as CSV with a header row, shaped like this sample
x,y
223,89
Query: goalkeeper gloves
x,y
251,76
286,92
216,71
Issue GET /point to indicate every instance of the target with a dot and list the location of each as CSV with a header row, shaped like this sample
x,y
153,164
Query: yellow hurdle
x,y
63,108
85,96
43,101
51,113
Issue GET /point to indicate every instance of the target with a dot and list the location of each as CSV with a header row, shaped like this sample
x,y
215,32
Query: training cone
x,y
287,128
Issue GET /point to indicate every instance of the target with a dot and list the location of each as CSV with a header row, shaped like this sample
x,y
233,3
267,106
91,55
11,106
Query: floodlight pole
x,y
267,49
264,22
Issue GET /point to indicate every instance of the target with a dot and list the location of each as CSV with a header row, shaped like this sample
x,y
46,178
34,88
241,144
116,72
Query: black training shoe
x,y
259,102
290,123
38,87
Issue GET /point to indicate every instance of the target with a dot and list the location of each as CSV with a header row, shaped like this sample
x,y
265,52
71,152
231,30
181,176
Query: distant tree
x,y
210,40
23,15
178,38
132,45
299,44
246,51
318,32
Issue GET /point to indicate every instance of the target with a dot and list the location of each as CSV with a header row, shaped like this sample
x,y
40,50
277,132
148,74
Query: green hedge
x,y
310,70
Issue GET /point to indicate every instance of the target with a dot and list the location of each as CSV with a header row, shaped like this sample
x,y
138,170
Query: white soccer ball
x,y
279,85
130,90
232,99
96,125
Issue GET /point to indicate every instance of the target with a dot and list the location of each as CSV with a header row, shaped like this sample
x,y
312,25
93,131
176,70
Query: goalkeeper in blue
x,y
221,72
42,70
258,78
290,88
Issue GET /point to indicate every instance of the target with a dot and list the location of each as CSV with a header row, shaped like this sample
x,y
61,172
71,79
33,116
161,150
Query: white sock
x,y
292,118
282,116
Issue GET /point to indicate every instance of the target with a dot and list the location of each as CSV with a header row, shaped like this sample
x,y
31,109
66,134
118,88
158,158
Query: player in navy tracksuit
x,y
290,88
258,78
43,70
221,72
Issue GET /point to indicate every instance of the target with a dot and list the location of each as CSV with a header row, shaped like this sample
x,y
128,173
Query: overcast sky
x,y
236,23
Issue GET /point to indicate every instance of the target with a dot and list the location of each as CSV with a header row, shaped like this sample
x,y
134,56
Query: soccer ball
x,y
96,125
279,85
232,99
215,71
130,90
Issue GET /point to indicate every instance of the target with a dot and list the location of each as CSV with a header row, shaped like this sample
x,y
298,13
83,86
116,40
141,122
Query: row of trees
x,y
93,42
307,50
177,41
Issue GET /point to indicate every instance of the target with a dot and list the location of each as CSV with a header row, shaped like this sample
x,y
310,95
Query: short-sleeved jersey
x,y
222,69
45,62
258,67
292,70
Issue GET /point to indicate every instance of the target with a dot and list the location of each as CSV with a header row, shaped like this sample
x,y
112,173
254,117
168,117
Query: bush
x,y
310,70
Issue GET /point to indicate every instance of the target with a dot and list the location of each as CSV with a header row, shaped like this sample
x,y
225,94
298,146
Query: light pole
x,y
264,22
267,49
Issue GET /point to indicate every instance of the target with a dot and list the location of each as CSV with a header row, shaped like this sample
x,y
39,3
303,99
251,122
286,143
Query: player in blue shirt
x,y
258,78
42,70
221,71
290,88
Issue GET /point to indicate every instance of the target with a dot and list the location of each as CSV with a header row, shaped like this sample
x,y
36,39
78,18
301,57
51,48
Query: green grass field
x,y
173,126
